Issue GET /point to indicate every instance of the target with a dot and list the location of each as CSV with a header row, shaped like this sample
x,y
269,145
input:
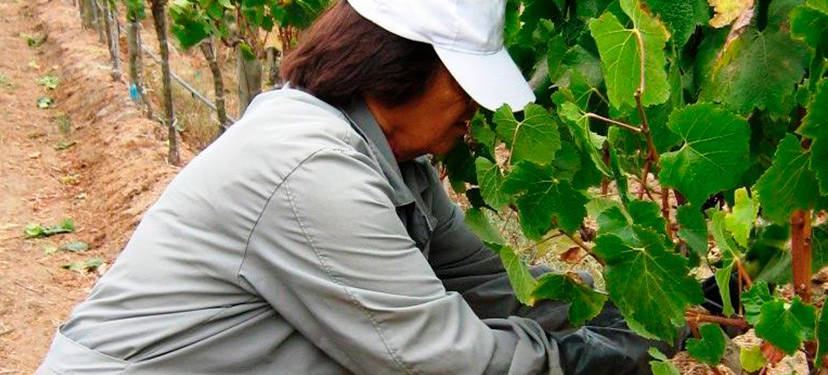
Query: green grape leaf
x,y
648,215
575,87
621,55
815,122
480,225
613,221
544,199
620,178
664,368
520,277
820,5
189,24
657,354
761,75
567,161
788,184
693,229
751,358
658,117
786,327
661,365
740,220
460,167
135,10
586,63
556,50
585,302
720,234
815,125
579,127
648,282
639,213
811,26
483,134
681,16
819,153
714,154
822,337
711,347
723,282
753,299
490,180
534,139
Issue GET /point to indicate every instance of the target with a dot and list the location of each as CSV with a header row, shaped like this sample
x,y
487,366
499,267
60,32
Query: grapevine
x,y
716,113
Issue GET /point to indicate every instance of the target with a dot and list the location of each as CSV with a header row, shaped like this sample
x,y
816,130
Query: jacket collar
x,y
366,124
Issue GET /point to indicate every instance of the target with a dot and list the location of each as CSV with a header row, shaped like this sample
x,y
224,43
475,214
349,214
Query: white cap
x,y
468,38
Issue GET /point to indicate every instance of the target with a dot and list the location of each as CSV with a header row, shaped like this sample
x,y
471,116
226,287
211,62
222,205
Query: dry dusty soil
x,y
112,168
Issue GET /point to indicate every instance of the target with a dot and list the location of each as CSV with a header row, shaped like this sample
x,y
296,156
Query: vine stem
x,y
536,244
665,210
644,187
697,317
652,154
584,246
605,180
801,253
620,124
643,53
743,274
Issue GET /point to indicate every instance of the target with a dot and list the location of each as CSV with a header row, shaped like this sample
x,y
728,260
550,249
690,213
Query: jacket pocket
x,y
67,357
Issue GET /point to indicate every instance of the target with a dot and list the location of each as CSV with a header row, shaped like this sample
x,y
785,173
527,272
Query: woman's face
x,y
431,123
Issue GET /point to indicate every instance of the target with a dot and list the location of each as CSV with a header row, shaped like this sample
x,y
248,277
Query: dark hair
x,y
345,56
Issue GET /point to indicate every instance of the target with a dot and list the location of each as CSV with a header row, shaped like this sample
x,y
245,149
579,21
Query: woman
x,y
315,238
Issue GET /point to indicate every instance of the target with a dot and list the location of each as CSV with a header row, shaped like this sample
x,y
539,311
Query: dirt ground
x,y
104,181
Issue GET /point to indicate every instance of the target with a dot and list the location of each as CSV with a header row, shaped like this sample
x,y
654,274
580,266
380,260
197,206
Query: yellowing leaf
x,y
728,10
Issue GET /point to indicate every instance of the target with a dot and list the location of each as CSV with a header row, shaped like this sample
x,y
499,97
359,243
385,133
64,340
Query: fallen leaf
x,y
772,353
573,255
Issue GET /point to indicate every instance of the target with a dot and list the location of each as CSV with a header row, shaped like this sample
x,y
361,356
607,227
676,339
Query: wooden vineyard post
x,y
134,15
273,58
88,13
160,21
99,17
110,18
250,79
218,82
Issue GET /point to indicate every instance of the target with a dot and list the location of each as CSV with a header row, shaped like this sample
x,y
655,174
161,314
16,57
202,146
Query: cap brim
x,y
491,80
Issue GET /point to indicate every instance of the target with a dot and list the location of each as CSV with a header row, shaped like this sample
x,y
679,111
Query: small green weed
x,y
81,267
49,81
63,145
35,230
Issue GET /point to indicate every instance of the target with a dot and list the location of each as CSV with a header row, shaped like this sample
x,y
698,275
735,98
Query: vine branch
x,y
584,246
698,317
620,124
536,244
743,274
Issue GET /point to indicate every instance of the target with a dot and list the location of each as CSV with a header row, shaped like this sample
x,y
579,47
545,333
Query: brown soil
x,y
118,161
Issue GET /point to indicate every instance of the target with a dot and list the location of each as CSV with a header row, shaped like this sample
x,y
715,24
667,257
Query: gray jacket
x,y
295,244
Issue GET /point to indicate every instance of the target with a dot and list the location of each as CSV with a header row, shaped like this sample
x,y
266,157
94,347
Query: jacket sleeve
x,y
331,256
